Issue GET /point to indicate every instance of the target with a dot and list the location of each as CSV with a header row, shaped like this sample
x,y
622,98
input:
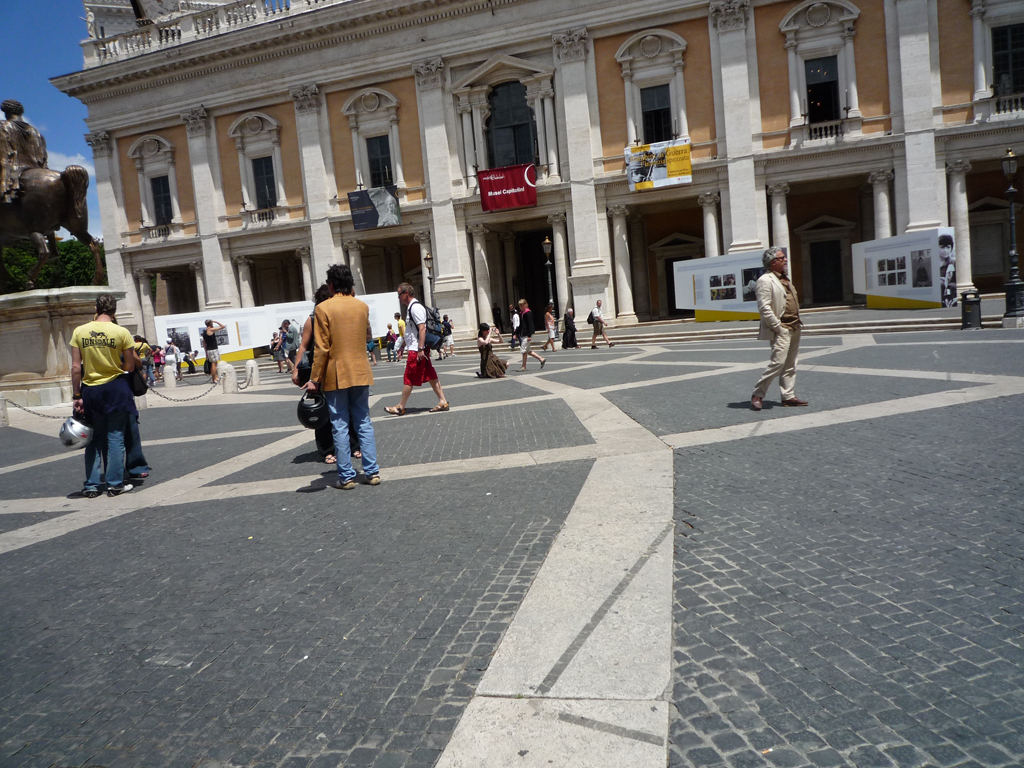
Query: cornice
x,y
143,72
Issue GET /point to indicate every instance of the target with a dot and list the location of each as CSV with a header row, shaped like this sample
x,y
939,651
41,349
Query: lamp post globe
x,y
1014,286
546,245
428,262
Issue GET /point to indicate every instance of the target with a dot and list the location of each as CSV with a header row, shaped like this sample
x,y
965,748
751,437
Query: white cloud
x,y
58,161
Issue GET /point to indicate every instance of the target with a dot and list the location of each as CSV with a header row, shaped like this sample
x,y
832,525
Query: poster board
x,y
375,208
912,271
512,187
251,327
665,164
720,288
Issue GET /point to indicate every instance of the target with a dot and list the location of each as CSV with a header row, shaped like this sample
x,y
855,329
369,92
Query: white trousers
x,y
785,349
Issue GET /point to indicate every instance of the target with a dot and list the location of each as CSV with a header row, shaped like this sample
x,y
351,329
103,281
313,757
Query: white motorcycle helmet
x,y
75,432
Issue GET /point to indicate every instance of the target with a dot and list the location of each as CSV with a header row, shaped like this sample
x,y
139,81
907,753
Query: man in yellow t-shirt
x,y
399,346
102,394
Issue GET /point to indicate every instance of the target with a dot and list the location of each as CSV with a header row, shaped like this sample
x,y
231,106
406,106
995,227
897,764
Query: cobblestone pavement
x,y
846,592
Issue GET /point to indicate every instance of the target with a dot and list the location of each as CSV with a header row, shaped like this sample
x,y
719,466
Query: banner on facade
x,y
720,288
514,186
376,207
913,271
154,10
651,166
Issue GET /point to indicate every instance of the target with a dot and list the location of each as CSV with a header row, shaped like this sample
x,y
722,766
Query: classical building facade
x,y
227,136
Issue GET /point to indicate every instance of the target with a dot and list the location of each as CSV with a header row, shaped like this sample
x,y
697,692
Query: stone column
x,y
852,98
398,266
879,181
244,171
468,148
623,276
483,270
679,85
215,270
172,185
305,264
561,256
145,214
709,202
780,217
536,104
196,267
730,18
355,262
508,244
314,180
795,115
548,96
960,219
146,300
422,239
357,150
631,95
396,148
244,280
981,90
481,111
641,274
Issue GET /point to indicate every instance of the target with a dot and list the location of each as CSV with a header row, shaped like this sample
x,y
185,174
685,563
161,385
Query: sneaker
x,y
374,480
92,493
118,490
345,485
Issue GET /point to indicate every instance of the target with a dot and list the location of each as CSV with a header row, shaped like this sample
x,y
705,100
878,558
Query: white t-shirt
x,y
597,313
417,317
515,321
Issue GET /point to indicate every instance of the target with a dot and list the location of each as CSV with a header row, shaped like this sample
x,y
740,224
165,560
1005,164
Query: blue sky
x,y
39,39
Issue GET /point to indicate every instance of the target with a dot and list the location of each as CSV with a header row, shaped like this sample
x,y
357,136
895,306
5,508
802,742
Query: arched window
x,y
510,129
158,188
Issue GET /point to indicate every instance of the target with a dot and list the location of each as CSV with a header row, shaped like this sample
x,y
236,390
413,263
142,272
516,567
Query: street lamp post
x,y
546,245
428,260
1014,286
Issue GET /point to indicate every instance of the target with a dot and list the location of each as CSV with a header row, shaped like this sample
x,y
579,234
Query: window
x,y
378,153
510,137
656,105
263,180
822,89
163,211
1008,59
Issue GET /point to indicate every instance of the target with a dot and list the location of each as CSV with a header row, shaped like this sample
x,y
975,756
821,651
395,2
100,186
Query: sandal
x,y
357,454
440,408
330,459
394,410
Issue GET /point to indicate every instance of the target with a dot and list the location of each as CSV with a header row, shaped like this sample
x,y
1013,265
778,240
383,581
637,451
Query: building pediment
x,y
501,69
814,14
824,223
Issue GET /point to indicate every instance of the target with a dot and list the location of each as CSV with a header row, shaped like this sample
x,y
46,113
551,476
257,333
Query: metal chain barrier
x,y
35,413
248,382
186,399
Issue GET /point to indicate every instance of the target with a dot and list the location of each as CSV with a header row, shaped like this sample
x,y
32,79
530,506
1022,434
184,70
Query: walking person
x,y
390,340
418,368
190,361
598,320
491,366
526,331
171,357
211,345
341,369
569,332
101,352
447,346
400,346
289,343
145,353
779,308
158,362
277,351
551,326
514,314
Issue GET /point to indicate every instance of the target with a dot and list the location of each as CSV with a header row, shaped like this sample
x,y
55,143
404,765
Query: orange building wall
x,y
130,184
700,108
341,143
182,175
956,56
872,63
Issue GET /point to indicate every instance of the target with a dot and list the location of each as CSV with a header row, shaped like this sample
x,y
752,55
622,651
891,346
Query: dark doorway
x,y
670,286
827,271
532,277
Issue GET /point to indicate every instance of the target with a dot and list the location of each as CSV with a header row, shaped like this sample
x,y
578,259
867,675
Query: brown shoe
x,y
794,401
755,403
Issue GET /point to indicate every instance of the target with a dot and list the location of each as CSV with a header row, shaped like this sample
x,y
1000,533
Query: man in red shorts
x,y
418,368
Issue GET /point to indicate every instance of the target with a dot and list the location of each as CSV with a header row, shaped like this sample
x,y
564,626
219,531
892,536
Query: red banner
x,y
511,187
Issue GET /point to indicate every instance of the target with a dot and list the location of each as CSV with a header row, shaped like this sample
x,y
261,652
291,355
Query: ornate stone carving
x,y
507,236
615,211
241,261
101,143
848,33
302,253
818,15
571,45
881,176
306,98
650,46
429,74
477,229
195,266
353,245
422,237
709,198
195,121
556,218
957,166
370,101
729,14
141,274
779,188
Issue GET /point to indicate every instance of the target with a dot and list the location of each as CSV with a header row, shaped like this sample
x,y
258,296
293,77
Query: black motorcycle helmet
x,y
312,410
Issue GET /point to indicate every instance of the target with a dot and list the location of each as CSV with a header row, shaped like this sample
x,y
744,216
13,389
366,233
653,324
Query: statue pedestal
x,y
35,329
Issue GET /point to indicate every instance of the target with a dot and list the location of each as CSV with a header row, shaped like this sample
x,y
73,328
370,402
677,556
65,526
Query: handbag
x,y
137,383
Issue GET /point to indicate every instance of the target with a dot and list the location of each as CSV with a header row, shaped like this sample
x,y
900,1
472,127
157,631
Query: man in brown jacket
x,y
342,371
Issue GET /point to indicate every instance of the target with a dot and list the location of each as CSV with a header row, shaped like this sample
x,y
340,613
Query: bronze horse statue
x,y
48,201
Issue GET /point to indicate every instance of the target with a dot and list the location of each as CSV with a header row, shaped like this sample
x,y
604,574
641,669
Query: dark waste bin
x,y
970,310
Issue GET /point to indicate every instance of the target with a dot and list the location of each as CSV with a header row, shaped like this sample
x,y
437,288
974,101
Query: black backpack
x,y
435,328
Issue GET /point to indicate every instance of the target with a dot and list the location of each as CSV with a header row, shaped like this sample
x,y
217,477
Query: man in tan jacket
x,y
779,307
342,371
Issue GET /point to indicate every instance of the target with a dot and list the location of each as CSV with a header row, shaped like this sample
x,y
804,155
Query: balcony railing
x,y
1008,105
830,130
158,232
198,22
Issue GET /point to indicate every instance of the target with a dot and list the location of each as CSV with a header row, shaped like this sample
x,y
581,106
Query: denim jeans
x,y
106,449
391,352
147,369
352,404
135,460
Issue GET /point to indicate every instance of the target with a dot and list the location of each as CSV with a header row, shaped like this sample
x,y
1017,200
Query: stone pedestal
x,y
252,373
35,359
228,378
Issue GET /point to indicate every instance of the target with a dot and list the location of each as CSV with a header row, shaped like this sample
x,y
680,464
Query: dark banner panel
x,y
512,187
373,208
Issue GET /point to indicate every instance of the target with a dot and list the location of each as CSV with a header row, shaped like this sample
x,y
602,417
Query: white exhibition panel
x,y
721,284
253,327
903,267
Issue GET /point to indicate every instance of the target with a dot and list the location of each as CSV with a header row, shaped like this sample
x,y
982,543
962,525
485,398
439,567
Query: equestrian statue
x,y
34,201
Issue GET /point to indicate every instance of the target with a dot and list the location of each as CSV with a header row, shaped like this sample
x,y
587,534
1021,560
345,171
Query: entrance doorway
x,y
827,271
532,279
670,288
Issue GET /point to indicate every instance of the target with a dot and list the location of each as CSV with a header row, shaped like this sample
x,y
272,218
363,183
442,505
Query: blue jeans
x,y
135,460
147,369
340,402
106,449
